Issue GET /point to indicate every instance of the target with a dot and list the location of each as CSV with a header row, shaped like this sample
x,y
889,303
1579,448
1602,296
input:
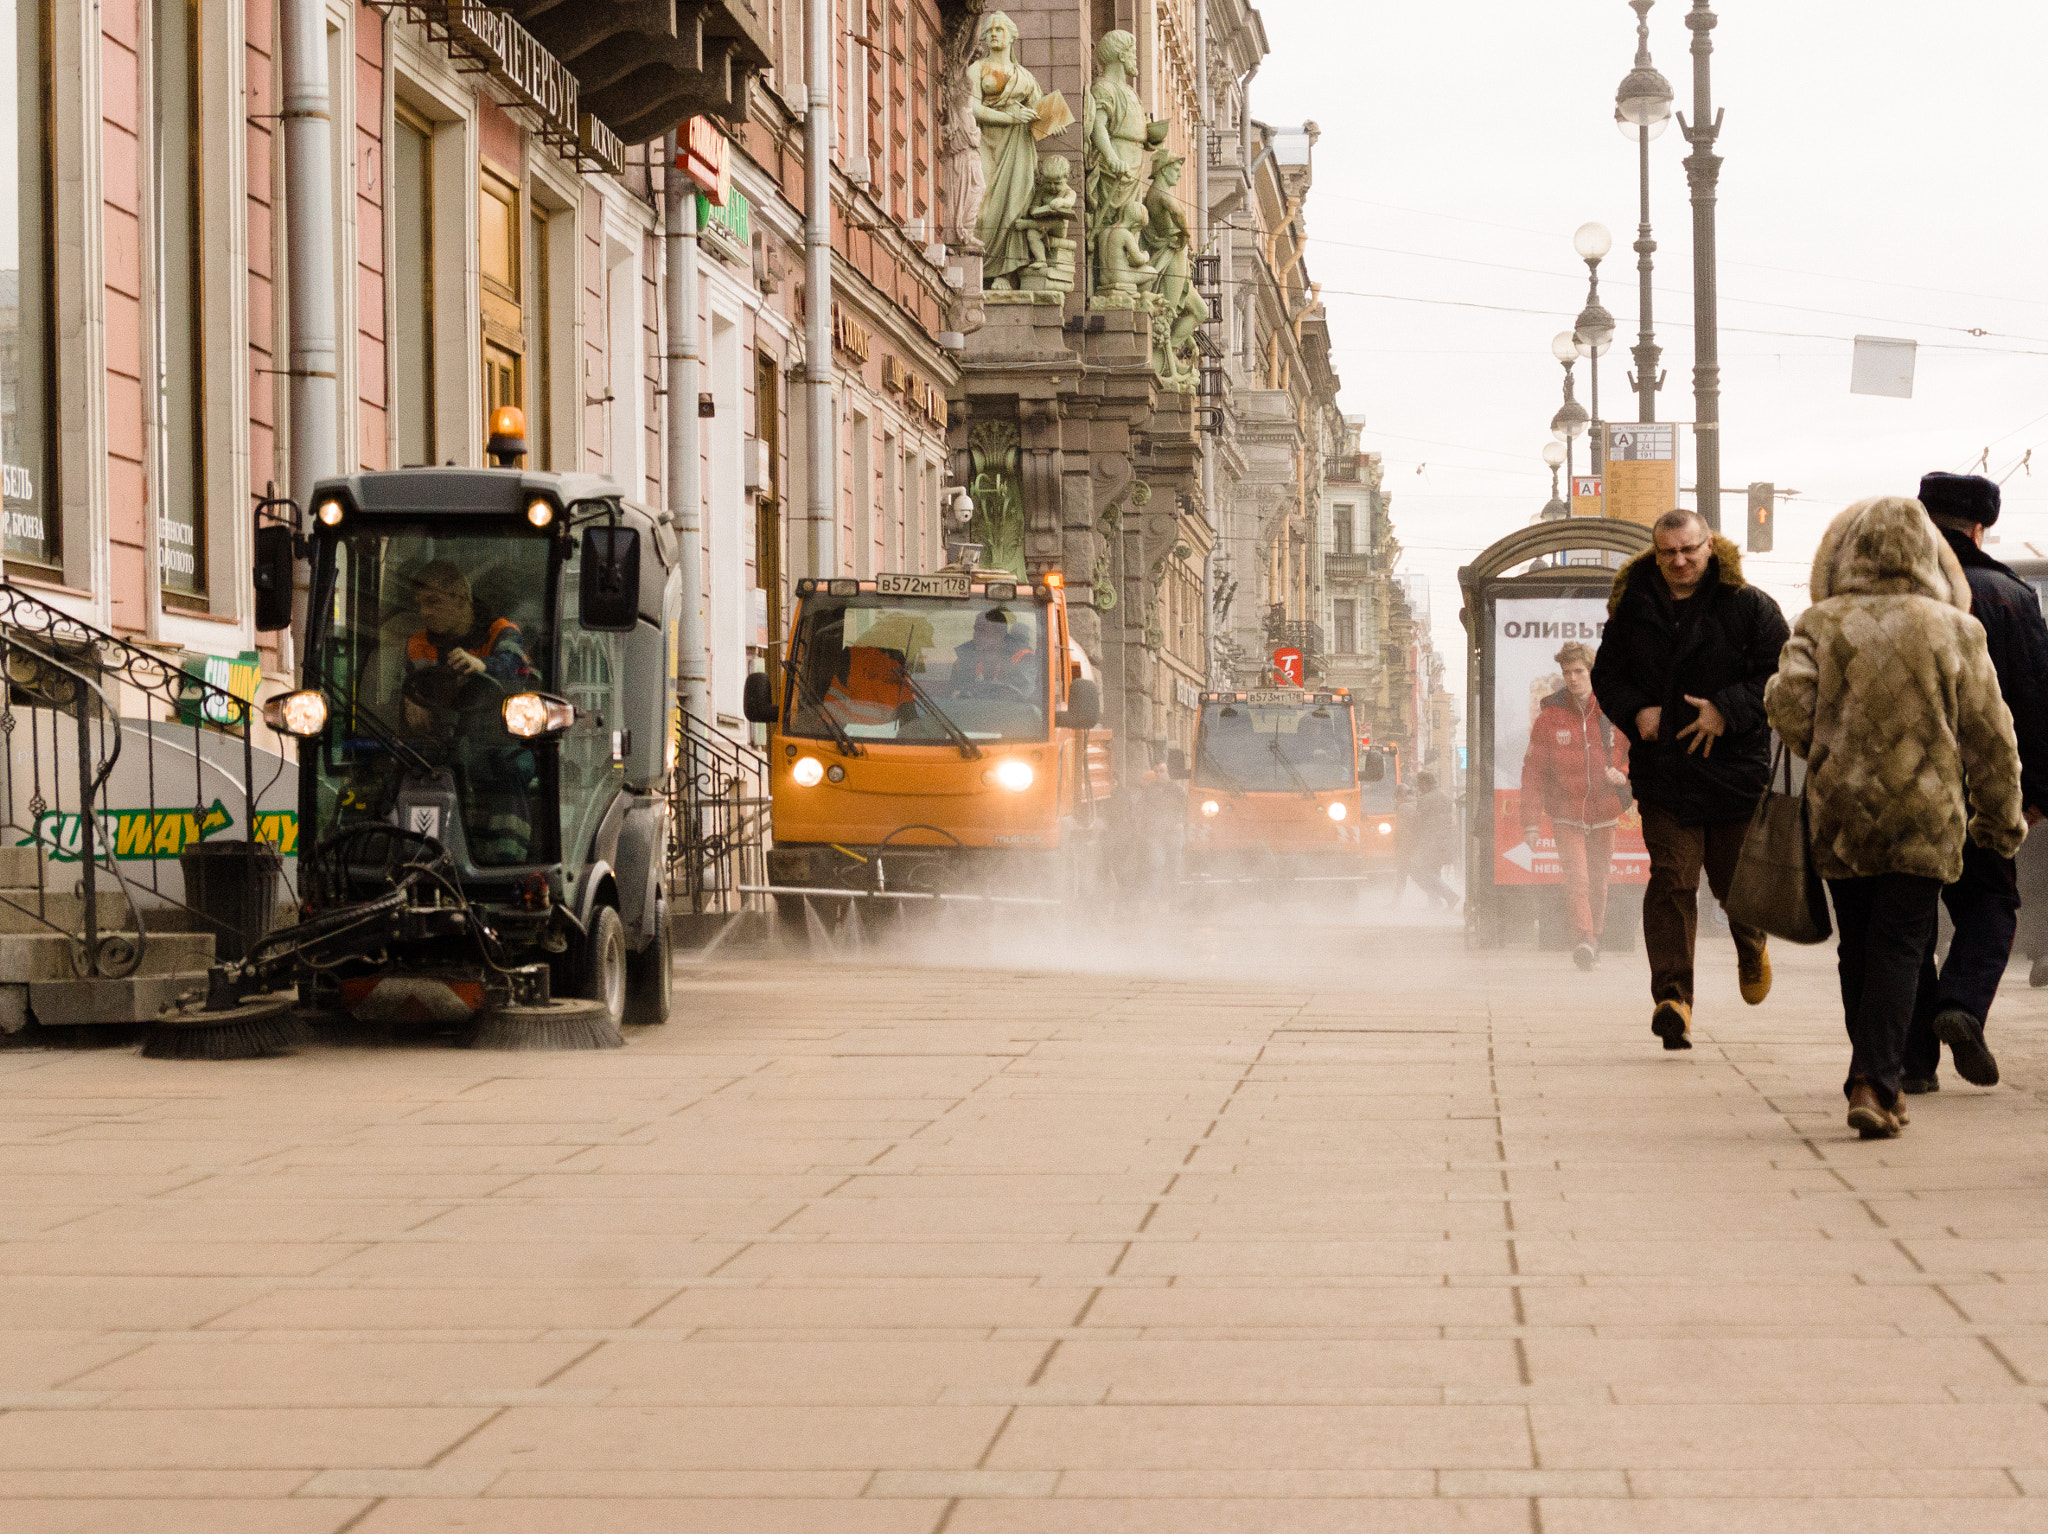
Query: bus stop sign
x,y
1287,670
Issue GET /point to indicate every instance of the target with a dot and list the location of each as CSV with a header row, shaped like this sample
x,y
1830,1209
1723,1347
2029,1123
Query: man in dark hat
x,y
1984,904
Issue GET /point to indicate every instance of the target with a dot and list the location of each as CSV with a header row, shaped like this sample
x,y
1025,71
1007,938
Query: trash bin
x,y
232,887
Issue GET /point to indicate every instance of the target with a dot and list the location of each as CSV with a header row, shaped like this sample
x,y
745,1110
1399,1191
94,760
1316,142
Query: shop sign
x,y
512,57
237,676
701,155
146,836
726,230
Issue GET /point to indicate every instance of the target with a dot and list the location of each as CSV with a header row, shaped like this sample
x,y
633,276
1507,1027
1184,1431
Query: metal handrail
x,y
60,663
719,817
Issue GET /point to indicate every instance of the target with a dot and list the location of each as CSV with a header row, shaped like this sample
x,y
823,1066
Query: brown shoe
x,y
1755,976
1867,1116
1672,1022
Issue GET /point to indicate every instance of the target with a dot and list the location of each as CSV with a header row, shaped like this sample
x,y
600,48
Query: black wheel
x,y
601,976
649,974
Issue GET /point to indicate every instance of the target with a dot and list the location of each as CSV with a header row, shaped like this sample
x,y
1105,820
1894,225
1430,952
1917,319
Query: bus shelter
x,y
1516,619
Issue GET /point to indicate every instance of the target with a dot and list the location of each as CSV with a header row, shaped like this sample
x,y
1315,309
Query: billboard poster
x,y
1527,634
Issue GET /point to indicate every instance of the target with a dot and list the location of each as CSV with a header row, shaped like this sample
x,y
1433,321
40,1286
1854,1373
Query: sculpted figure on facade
x,y
1181,310
995,455
1051,267
1117,137
1004,100
966,182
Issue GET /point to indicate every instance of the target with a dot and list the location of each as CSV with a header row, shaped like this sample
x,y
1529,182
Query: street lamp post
x,y
1703,174
1594,328
1642,108
1570,421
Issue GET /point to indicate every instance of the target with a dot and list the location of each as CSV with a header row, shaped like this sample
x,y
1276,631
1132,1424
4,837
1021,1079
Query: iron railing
x,y
74,698
718,822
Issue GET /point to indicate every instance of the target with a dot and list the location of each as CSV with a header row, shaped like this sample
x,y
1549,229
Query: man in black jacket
x,y
1681,671
1984,903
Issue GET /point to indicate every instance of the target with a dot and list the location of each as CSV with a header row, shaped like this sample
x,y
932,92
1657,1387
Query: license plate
x,y
921,585
1272,695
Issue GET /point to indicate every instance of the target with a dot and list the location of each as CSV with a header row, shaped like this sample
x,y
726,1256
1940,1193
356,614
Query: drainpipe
x,y
1202,245
309,263
821,515
685,497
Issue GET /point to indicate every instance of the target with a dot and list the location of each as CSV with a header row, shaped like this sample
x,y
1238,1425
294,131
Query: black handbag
x,y
1775,886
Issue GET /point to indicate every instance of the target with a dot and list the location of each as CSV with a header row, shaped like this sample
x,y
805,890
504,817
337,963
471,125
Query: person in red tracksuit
x,y
1576,772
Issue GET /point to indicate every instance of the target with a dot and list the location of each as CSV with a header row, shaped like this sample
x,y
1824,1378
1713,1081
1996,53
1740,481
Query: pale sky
x,y
1882,176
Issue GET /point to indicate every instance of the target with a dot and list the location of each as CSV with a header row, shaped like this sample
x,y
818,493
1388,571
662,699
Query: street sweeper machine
x,y
485,720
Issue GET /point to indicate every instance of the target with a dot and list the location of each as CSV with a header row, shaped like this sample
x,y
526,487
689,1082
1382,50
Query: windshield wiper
x,y
807,693
1293,771
969,751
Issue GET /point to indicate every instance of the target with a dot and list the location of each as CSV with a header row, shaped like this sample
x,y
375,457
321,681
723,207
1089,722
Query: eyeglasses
x,y
1680,553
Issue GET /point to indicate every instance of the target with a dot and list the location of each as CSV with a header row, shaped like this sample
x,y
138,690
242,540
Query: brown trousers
x,y
1671,903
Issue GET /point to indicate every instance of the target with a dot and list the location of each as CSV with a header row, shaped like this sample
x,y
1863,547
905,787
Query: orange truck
x,y
1274,790
929,735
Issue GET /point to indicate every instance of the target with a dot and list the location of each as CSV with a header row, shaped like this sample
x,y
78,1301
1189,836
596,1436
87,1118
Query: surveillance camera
x,y
961,507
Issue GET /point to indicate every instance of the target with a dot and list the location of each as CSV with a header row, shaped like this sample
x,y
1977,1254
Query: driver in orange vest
x,y
993,654
454,637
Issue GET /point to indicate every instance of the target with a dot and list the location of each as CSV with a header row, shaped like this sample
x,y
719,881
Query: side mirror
x,y
1084,705
274,567
1177,764
608,585
757,698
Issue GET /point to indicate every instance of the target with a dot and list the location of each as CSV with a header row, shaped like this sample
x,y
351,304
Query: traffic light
x,y
1763,511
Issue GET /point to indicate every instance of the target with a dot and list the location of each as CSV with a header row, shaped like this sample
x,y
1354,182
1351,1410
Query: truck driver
x,y
455,639
993,655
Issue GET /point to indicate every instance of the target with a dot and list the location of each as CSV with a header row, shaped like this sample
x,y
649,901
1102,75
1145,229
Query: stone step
x,y
138,999
67,911
41,956
18,866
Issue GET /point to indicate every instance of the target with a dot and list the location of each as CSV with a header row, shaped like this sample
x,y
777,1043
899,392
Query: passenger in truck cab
x,y
994,656
872,685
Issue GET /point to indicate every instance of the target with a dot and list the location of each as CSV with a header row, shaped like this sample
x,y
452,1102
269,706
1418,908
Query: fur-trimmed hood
x,y
1887,546
1727,563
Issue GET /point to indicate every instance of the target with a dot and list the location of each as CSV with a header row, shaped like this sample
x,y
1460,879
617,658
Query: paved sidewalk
x,y
1311,1229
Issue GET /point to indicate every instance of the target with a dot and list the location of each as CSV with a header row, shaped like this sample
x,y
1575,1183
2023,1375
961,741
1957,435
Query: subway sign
x,y
143,836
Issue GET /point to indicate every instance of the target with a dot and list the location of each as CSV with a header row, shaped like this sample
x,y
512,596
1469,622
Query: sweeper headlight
x,y
1013,773
532,715
1386,828
1337,810
809,772
303,714
1211,807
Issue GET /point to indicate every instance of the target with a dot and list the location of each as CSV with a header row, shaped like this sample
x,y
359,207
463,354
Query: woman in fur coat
x,y
1886,689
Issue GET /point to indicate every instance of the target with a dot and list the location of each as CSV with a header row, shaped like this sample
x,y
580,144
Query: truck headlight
x,y
1014,773
1337,810
809,772
530,715
1211,807
1386,828
303,714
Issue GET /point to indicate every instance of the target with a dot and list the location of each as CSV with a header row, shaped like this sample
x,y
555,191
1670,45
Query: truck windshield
x,y
1259,749
881,666
424,633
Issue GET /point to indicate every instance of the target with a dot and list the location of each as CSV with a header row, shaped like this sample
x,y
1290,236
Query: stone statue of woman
x,y
1116,135
1005,101
966,182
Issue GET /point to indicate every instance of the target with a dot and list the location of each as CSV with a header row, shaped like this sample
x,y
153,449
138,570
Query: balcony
x,y
642,66
1347,569
1342,471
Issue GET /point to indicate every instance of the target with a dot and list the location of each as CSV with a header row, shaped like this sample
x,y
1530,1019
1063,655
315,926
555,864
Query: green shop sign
x,y
726,229
142,836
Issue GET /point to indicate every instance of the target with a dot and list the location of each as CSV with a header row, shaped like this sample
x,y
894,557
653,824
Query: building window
x,y
180,299
1345,623
1341,527
411,193
28,373
863,498
622,321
